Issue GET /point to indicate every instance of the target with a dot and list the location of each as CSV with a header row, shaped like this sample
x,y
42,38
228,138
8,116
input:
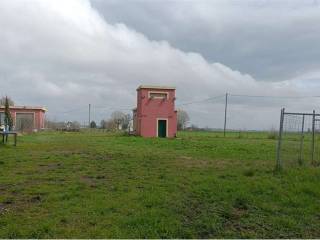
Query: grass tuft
x,y
241,203
249,173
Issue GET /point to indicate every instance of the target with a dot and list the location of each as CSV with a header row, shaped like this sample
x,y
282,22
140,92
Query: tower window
x,y
158,95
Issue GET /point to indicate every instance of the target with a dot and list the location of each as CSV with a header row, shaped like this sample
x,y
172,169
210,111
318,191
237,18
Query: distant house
x,y
25,118
155,114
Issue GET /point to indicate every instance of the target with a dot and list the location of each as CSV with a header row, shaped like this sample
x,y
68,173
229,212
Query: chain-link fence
x,y
299,139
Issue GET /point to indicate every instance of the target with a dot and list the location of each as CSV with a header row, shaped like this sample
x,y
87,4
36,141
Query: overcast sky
x,y
66,54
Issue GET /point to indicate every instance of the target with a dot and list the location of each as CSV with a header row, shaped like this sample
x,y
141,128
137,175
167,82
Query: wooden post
x,y
279,163
15,139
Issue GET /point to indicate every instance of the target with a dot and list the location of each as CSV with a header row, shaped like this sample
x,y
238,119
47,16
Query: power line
x,y
92,106
194,102
248,96
199,101
104,107
72,110
264,96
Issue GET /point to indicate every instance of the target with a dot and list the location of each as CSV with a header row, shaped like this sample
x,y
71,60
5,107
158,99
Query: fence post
x,y
313,137
279,163
301,141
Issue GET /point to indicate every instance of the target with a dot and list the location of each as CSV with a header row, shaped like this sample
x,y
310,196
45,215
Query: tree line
x,y
121,121
117,121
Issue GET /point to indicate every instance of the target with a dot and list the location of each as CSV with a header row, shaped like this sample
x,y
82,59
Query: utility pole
x,y
313,137
89,114
225,115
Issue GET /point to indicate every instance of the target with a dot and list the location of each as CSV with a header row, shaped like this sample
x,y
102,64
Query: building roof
x,y
155,87
26,107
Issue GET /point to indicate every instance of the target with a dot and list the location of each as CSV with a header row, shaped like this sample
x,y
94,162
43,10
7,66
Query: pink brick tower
x,y
155,115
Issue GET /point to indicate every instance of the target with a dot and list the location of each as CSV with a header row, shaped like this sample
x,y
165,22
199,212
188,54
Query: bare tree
x,y
117,121
118,118
111,125
63,126
126,121
3,101
183,119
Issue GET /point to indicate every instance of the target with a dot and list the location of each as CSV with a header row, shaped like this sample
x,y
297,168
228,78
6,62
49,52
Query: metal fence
x,y
24,122
299,139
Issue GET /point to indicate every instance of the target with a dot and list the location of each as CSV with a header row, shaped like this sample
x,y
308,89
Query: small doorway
x,y
162,128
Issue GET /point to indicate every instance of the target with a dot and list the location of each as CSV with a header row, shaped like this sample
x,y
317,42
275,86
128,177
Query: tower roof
x,y
155,87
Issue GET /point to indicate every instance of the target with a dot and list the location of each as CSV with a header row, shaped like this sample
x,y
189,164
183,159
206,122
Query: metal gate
x,y
24,122
298,139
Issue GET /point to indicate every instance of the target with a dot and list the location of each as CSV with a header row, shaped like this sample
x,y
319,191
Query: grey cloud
x,y
65,55
271,40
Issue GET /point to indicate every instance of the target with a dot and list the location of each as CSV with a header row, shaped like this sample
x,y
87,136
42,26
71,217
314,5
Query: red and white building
x,y
25,118
155,114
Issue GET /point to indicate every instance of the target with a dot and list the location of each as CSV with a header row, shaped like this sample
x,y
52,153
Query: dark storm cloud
x,y
271,40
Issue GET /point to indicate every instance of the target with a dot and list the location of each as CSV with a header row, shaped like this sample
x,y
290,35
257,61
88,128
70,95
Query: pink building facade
x,y
155,115
26,118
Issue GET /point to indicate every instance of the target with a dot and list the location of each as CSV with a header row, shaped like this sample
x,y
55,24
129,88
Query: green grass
x,y
199,185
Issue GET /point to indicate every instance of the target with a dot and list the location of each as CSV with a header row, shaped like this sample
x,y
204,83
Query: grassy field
x,y
200,185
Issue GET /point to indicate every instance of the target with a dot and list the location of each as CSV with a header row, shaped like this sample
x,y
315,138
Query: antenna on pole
x,y
225,115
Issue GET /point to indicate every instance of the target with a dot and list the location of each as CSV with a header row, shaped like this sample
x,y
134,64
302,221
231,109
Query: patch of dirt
x,y
219,164
8,201
190,162
92,181
67,153
89,180
3,209
17,201
5,205
237,213
50,166
3,188
100,177
35,199
192,211
104,156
